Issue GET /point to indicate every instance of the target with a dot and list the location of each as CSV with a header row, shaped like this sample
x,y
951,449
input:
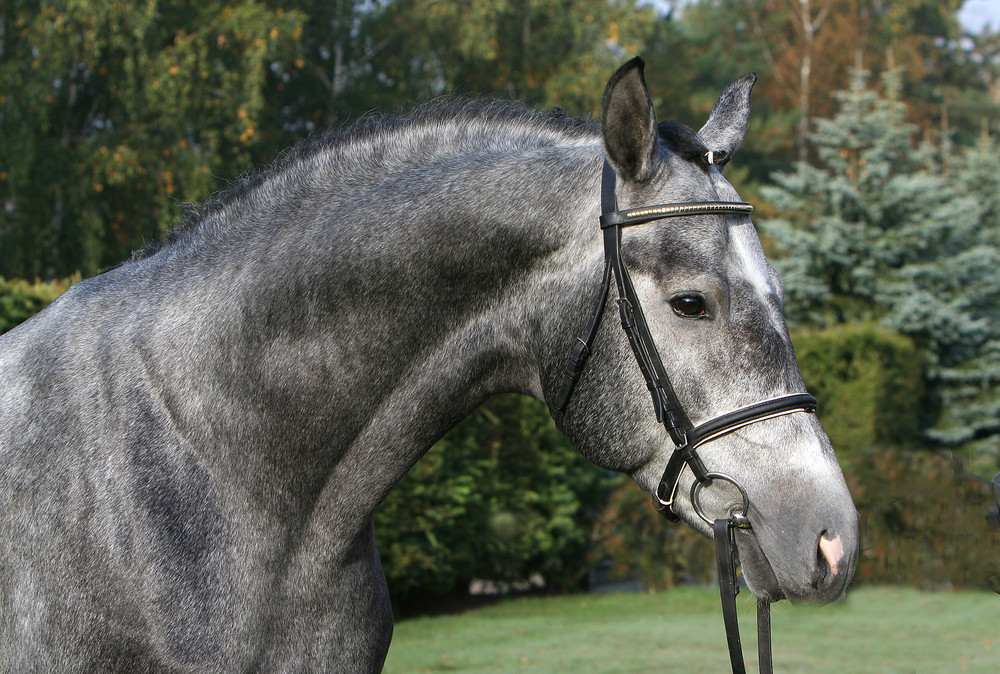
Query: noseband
x,y
686,437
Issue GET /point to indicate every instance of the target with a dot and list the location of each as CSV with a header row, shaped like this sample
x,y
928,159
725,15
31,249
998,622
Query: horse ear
x,y
628,123
727,125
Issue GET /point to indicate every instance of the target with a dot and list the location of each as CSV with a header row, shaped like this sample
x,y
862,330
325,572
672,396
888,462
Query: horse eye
x,y
689,306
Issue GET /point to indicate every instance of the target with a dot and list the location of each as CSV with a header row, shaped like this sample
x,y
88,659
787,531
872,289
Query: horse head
x,y
711,305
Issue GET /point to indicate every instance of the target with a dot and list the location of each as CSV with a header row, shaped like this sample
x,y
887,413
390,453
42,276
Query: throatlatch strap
x,y
581,350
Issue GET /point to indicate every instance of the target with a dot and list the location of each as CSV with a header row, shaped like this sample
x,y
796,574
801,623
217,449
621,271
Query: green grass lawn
x,y
875,630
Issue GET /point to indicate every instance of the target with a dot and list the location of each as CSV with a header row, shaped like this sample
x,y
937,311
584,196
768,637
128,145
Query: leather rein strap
x,y
726,558
685,436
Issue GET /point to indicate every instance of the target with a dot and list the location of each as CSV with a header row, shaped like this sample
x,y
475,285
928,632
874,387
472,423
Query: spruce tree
x,y
882,228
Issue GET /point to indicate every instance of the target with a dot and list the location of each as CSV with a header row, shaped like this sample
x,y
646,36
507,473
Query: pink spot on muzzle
x,y
832,551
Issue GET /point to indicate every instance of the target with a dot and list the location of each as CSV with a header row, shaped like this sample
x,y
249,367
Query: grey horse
x,y
192,444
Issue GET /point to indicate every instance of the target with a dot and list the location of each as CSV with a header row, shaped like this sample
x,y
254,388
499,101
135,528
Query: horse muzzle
x,y
818,571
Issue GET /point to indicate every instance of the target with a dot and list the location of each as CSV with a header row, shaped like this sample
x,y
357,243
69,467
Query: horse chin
x,y
757,571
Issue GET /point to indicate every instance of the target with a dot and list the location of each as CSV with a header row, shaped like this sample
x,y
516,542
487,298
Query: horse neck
x,y
356,334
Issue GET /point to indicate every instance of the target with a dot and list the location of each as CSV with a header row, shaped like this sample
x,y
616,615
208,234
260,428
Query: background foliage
x,y
871,158
113,113
880,228
486,504
20,300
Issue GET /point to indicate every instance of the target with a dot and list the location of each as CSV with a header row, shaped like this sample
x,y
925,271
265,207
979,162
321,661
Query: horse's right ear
x,y
628,123
730,118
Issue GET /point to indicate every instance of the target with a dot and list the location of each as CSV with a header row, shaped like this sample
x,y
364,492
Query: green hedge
x,y
869,382
503,496
20,300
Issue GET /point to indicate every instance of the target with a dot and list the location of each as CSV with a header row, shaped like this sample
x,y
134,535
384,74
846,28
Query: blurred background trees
x,y
114,113
872,160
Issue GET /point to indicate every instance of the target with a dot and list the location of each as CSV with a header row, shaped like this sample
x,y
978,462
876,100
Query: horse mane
x,y
482,119
472,122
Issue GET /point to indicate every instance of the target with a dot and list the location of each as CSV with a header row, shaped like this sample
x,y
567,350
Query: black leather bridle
x,y
685,436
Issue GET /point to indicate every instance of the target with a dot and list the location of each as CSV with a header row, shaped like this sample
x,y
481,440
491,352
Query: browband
x,y
640,216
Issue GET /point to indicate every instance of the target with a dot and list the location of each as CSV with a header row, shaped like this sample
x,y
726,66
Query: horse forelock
x,y
379,142
684,142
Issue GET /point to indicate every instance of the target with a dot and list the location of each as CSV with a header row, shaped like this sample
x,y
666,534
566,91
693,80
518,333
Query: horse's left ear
x,y
727,125
628,123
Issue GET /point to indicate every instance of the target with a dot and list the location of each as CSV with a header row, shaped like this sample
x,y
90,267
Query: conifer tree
x,y
882,228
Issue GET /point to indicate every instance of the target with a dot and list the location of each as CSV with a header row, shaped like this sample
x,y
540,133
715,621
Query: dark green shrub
x,y
870,385
922,517
923,521
638,543
503,496
20,300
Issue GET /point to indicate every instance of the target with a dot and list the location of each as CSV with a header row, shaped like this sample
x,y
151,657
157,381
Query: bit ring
x,y
738,514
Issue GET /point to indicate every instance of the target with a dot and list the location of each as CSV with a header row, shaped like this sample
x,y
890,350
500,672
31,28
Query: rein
x,y
685,436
